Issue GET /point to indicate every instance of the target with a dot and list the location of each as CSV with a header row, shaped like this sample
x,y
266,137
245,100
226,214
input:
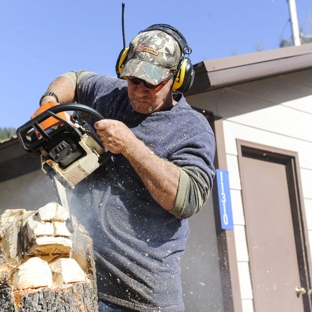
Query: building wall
x,y
286,126
30,191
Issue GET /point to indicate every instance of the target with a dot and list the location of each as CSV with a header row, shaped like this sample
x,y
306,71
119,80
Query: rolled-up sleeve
x,y
76,76
193,191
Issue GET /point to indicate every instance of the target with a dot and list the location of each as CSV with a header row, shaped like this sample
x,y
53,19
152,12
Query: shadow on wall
x,y
30,191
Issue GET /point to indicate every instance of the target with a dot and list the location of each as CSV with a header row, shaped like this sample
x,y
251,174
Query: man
x,y
160,172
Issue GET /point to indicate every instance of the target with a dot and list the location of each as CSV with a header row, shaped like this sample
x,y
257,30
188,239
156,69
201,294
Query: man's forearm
x,y
64,90
160,177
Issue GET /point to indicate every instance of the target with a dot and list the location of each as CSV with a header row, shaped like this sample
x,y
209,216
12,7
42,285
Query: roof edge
x,y
233,70
257,57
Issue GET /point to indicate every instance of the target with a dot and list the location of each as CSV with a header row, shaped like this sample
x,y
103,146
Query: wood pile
x,y
45,265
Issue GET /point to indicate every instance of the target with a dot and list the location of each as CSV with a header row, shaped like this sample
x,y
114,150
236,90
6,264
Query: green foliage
x,y
6,133
305,37
288,43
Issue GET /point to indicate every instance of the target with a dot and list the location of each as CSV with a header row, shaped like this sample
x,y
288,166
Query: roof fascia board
x,y
257,57
255,71
10,149
233,70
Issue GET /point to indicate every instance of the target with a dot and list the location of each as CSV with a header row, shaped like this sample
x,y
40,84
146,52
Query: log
x,y
43,265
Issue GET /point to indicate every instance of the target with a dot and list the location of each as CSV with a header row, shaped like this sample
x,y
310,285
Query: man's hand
x,y
159,176
115,135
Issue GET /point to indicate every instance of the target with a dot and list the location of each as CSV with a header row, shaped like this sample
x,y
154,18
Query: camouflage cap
x,y
151,57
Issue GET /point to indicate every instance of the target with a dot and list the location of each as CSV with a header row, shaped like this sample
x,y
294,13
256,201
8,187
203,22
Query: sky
x,y
40,39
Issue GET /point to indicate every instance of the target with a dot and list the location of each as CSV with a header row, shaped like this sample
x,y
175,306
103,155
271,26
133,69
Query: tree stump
x,y
44,266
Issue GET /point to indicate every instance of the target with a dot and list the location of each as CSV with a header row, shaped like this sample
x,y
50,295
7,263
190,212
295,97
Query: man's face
x,y
145,101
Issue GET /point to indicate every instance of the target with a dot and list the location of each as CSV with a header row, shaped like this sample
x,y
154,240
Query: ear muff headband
x,y
184,78
173,32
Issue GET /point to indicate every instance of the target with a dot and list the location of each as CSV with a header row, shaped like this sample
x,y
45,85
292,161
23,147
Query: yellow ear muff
x,y
180,76
121,60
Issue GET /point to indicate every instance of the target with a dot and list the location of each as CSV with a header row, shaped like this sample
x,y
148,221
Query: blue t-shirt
x,y
137,243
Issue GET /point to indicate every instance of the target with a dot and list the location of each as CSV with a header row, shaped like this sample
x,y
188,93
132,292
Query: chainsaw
x,y
69,148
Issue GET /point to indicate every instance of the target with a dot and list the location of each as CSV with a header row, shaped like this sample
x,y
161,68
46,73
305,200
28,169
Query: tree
x,y
6,133
305,36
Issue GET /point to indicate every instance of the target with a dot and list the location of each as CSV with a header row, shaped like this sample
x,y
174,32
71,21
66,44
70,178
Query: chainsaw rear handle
x,y
23,131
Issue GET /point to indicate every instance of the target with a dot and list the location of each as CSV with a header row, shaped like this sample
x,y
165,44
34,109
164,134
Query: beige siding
x,y
279,119
287,126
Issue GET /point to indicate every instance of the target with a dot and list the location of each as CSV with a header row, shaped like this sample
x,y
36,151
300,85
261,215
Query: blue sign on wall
x,y
224,195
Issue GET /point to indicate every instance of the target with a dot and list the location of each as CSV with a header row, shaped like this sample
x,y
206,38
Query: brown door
x,y
274,231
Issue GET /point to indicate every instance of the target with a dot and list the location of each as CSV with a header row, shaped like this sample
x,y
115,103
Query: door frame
x,y
226,239
232,301
291,161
